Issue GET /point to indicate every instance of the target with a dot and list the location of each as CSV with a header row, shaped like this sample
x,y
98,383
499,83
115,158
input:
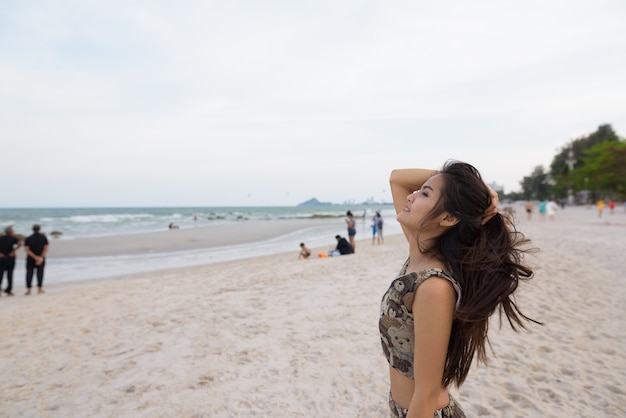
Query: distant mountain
x,y
314,202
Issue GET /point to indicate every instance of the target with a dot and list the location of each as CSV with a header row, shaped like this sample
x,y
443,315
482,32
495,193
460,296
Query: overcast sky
x,y
184,103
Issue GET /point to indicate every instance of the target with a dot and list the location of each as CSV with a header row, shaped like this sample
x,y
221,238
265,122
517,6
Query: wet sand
x,y
177,239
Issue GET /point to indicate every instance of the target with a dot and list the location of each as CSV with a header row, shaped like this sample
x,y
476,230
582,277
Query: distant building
x,y
497,187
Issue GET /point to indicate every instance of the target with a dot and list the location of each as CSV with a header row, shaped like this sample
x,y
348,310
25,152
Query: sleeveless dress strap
x,y
426,273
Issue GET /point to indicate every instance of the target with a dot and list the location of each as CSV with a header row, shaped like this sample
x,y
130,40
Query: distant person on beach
x,y
379,227
8,245
343,246
600,205
172,226
542,210
374,229
551,208
529,209
305,252
351,223
611,206
464,263
36,247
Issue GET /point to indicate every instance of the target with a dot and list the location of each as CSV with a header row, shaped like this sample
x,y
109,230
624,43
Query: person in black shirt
x,y
8,244
36,247
343,246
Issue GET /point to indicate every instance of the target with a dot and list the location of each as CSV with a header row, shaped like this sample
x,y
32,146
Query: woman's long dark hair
x,y
486,260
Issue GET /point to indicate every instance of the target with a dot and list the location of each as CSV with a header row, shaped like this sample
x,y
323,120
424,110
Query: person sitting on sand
x,y
172,226
305,252
343,246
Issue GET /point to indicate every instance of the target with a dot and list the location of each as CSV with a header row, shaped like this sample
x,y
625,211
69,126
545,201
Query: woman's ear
x,y
448,220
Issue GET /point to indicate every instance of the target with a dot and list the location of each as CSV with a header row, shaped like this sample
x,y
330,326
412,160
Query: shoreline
x,y
91,258
175,240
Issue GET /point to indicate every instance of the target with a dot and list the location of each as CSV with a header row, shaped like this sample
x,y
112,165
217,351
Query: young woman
x,y
465,261
351,223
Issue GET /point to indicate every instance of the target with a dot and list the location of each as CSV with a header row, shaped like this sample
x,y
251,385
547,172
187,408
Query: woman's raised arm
x,y
405,181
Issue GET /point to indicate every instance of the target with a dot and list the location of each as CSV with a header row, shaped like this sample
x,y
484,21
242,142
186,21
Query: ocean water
x,y
75,223
83,222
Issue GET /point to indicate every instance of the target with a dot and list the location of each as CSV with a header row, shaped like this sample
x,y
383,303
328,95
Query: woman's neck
x,y
420,258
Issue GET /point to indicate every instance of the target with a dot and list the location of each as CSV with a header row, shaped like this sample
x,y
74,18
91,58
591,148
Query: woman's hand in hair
x,y
492,209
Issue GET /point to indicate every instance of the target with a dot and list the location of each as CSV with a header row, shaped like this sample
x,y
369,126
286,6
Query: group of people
x,y
545,208
348,246
550,208
377,228
343,248
601,204
36,247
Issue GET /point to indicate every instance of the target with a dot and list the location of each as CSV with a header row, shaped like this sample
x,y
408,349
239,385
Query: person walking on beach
x,y
36,247
351,222
463,265
8,245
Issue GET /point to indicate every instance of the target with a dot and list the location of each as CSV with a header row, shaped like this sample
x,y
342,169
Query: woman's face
x,y
421,203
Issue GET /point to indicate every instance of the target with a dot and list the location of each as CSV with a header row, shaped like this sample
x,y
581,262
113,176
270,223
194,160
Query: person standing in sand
x,y
351,223
529,209
551,208
36,247
379,227
374,224
464,263
600,205
8,245
542,210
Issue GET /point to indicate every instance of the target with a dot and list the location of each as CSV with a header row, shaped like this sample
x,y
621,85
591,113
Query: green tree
x,y
559,170
537,185
603,170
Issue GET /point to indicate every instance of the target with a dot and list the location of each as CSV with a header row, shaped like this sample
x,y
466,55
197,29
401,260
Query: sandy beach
x,y
274,336
95,257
